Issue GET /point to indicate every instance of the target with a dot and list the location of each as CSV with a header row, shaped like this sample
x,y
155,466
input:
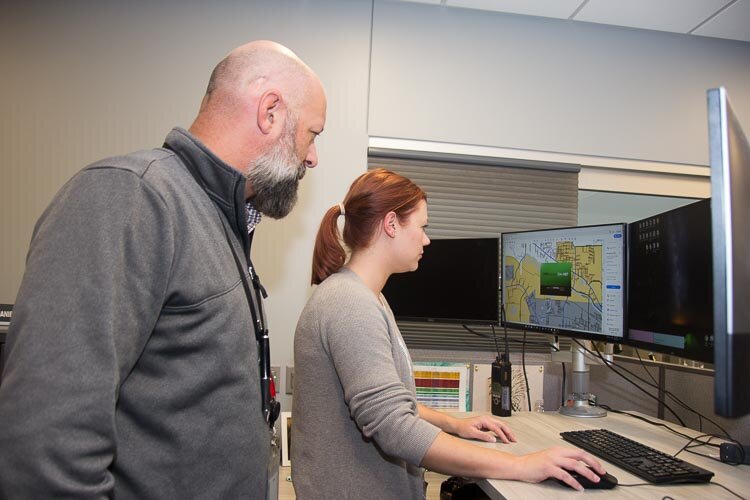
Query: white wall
x,y
82,80
476,77
595,207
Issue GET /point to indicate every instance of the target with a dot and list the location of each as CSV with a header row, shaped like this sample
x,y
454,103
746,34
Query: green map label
x,y
555,278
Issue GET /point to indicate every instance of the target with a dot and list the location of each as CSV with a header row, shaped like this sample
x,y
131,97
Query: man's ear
x,y
390,222
269,110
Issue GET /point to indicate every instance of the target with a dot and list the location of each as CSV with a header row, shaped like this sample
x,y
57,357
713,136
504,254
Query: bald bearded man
x,y
131,367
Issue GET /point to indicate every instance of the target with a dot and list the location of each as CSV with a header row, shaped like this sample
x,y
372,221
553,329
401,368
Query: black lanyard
x,y
271,407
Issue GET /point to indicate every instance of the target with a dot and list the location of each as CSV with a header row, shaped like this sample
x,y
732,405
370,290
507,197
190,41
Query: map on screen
x,y
565,280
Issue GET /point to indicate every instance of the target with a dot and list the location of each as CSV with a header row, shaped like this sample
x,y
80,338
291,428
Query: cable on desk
x,y
681,434
696,438
708,456
700,443
666,485
678,433
675,398
688,449
730,491
657,424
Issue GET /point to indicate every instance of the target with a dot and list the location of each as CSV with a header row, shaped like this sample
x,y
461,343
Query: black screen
x,y
670,287
457,282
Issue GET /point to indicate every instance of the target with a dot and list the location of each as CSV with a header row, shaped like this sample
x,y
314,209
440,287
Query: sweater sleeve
x,y
96,277
355,336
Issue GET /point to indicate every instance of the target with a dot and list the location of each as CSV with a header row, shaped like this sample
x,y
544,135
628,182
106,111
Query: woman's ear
x,y
390,221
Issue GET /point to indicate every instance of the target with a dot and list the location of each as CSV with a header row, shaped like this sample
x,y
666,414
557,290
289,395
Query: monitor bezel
x,y
731,343
665,349
562,331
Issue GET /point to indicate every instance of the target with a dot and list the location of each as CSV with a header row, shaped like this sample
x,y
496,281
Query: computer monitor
x,y
568,281
670,284
730,206
457,281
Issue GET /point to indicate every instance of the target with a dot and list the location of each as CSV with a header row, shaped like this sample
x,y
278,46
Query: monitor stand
x,y
577,402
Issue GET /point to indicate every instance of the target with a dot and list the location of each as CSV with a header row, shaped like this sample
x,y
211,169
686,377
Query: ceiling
x,y
728,19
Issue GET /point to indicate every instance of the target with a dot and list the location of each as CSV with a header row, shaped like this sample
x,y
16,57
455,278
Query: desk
x,y
537,431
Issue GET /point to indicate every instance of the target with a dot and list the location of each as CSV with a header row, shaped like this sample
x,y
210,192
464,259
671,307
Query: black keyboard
x,y
646,463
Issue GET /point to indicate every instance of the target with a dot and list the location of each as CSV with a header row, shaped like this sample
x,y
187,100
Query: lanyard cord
x,y
271,407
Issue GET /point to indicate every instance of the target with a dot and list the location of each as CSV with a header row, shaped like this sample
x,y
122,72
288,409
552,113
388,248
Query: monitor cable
x,y
644,419
665,485
609,365
674,398
562,396
728,437
510,340
523,344
699,443
523,366
494,337
643,365
690,439
507,351
505,369
730,491
505,331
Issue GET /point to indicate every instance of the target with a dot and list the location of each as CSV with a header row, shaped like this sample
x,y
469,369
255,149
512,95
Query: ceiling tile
x,y
561,9
732,23
679,16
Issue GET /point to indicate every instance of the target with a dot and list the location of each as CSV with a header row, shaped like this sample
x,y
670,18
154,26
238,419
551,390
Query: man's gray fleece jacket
x,y
132,368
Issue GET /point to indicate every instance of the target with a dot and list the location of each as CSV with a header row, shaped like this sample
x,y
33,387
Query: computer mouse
x,y
606,481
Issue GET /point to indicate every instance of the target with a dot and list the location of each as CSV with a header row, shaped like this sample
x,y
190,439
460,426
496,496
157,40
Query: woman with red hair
x,y
358,429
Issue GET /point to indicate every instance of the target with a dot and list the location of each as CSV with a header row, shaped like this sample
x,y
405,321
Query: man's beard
x,y
275,176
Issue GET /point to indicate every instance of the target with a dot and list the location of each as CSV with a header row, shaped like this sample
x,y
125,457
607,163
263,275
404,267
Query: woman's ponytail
x,y
329,255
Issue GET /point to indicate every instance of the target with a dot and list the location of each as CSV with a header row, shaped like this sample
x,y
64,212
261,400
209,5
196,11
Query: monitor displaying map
x,y
568,281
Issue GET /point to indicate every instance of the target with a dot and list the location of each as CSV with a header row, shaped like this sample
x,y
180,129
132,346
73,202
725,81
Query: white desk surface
x,y
537,431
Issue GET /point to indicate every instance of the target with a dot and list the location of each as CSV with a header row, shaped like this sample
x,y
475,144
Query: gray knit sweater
x,y
356,431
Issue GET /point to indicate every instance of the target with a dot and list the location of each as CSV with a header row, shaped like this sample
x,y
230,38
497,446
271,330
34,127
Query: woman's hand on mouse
x,y
556,463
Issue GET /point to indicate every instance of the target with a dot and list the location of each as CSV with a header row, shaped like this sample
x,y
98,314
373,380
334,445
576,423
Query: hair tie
x,y
341,209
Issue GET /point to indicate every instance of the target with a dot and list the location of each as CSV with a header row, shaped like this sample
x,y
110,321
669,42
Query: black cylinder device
x,y
501,387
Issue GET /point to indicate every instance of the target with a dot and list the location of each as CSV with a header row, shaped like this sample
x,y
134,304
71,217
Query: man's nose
x,y
311,160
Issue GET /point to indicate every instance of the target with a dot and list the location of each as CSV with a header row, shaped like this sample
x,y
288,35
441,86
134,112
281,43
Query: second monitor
x,y
670,285
568,281
456,282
